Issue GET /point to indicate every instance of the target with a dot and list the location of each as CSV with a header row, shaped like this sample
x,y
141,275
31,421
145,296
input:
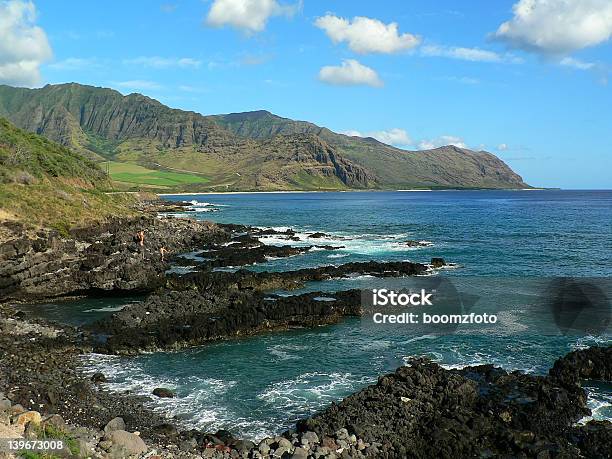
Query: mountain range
x,y
239,151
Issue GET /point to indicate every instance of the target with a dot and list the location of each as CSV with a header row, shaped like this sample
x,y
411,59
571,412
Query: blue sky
x,y
526,80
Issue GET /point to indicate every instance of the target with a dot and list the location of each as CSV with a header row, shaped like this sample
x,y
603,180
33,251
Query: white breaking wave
x,y
284,352
196,405
308,390
360,244
195,203
107,309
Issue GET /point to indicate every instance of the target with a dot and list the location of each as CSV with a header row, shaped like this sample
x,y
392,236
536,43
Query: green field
x,y
133,173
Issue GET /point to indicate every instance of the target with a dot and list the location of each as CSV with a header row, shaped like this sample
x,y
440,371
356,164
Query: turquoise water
x,y
504,242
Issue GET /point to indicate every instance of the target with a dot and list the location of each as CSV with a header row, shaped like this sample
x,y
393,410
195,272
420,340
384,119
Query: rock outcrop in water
x,y
423,410
198,307
183,309
420,410
592,363
243,279
175,319
104,258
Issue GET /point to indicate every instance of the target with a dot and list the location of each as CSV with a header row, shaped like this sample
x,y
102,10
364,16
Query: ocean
x,y
507,249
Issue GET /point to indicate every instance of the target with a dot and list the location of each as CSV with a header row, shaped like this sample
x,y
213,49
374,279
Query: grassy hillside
x,y
45,184
130,173
394,168
239,151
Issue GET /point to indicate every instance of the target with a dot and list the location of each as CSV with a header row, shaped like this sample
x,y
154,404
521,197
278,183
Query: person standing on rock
x,y
140,237
163,251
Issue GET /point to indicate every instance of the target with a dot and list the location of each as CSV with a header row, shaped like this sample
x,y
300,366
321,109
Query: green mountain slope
x,y
242,151
393,168
45,184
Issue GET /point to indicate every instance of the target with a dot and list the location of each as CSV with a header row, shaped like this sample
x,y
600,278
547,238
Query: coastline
x,y
416,190
404,404
402,412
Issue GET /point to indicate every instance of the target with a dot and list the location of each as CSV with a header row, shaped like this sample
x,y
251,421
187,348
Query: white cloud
x,y
75,63
168,7
164,62
559,26
194,89
365,35
466,54
400,138
394,136
23,45
138,85
502,147
350,73
254,59
248,15
462,80
353,133
428,144
576,63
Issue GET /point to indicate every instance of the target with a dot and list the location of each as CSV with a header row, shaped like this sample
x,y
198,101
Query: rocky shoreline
x,y
180,309
421,410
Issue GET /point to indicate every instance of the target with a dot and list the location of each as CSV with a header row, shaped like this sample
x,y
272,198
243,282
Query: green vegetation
x,y
133,173
34,455
100,145
39,157
239,151
302,180
50,432
45,184
59,205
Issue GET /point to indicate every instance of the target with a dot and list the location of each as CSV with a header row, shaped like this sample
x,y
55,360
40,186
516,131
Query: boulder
x,y
166,429
310,437
125,444
54,420
114,424
162,392
224,436
188,445
241,445
282,450
410,243
17,409
300,453
98,378
264,448
5,405
31,431
438,262
282,442
22,419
